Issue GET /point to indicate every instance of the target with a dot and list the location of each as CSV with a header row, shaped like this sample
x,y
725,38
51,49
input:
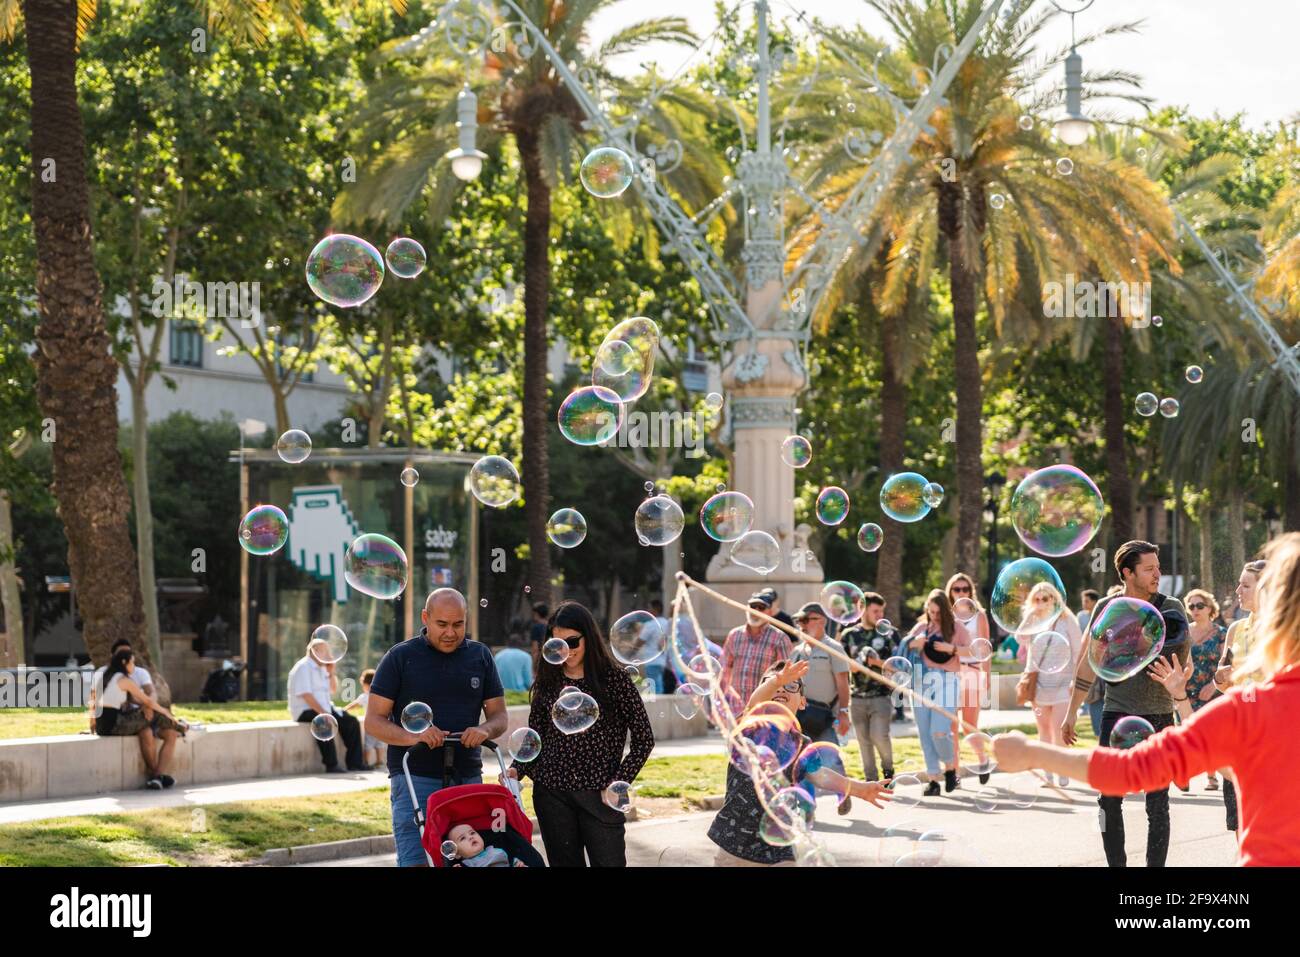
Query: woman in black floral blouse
x,y
573,771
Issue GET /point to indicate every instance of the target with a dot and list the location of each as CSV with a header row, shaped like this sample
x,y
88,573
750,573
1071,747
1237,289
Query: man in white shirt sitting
x,y
311,689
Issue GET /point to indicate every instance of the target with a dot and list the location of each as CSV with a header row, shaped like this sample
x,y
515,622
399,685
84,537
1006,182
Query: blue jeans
x,y
410,852
1094,715
935,730
655,672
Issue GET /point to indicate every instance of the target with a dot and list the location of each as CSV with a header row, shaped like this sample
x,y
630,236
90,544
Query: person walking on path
x,y
1237,644
1207,640
576,810
936,642
456,677
870,707
1052,663
975,668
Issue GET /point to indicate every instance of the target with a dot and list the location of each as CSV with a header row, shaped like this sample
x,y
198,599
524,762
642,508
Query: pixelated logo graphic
x,y
321,527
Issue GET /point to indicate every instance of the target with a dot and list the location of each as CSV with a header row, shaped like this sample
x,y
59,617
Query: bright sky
x,y
1223,56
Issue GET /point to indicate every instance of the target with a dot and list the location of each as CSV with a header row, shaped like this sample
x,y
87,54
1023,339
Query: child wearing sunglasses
x,y
737,828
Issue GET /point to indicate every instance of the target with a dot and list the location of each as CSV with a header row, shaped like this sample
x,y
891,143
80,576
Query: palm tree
x,y
76,371
938,207
521,96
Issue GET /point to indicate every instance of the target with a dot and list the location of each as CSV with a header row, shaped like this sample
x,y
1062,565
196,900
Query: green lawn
x,y
39,722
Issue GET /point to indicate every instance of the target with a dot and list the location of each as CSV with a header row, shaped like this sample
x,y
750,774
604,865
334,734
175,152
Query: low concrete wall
x,y
76,765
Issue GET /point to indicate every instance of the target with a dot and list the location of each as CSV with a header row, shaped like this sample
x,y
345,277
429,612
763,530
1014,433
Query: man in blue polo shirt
x,y
457,678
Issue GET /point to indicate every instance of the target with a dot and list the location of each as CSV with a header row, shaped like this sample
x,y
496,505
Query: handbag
x,y
1026,688
816,718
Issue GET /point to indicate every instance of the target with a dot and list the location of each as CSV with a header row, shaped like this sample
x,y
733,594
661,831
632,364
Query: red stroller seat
x,y
488,808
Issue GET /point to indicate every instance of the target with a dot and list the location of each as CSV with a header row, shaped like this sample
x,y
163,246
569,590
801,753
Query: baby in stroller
x,y
467,849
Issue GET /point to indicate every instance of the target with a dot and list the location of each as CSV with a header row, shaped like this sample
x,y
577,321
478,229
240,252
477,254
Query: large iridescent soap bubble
x,y
658,520
757,551
637,638
787,817
264,530
525,744
902,497
606,172
591,415
832,505
376,566
765,741
405,257
574,712
819,769
796,451
344,270
566,528
842,601
494,481
625,361
1057,510
1011,593
1124,636
726,516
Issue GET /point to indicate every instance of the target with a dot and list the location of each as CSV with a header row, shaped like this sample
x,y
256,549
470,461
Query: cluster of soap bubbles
x,y
346,271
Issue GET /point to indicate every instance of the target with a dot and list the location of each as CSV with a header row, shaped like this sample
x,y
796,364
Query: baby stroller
x,y
495,811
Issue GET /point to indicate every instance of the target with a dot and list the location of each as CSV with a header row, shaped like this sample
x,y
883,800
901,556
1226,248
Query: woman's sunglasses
x,y
961,589
571,642
1198,606
793,687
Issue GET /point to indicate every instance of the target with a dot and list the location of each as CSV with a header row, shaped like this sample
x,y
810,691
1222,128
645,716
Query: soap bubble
x,y
832,505
727,516
324,727
329,643
980,650
997,200
1195,374
765,741
965,610
1025,122
1130,731
1065,166
1169,407
566,528
1050,652
757,551
1157,321
574,712
980,746
788,816
619,796
525,744
375,565
815,767
555,651
898,669
941,848
1011,593
687,699
410,477
606,172
796,451
932,494
294,446
417,717
1146,404
906,790
713,400
659,520
405,257
639,341
482,602
568,689
1057,510
870,537
842,602
494,481
448,849
902,497
264,530
591,415
637,638
344,270
1124,636
899,839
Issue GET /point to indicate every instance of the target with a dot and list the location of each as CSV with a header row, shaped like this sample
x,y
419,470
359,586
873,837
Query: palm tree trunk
x,y
144,518
1291,508
893,431
1237,528
1119,483
537,292
1206,530
11,648
966,376
76,373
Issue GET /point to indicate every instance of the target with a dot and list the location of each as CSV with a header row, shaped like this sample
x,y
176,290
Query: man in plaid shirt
x,y
750,649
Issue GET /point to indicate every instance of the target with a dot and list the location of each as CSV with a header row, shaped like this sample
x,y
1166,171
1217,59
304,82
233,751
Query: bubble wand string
x,y
855,665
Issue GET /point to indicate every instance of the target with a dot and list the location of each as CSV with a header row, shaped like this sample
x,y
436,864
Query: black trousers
x,y
1112,808
350,732
1230,803
577,821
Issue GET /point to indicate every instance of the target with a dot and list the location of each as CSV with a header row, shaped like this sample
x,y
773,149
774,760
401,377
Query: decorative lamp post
x,y
466,159
1073,128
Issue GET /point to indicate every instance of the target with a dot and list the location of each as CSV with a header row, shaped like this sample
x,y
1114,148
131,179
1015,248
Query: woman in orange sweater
x,y
1250,729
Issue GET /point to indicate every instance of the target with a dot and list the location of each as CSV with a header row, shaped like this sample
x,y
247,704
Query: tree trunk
x,y
1237,528
893,432
282,421
379,396
1291,507
1119,484
11,647
537,291
76,373
966,376
144,518
1206,530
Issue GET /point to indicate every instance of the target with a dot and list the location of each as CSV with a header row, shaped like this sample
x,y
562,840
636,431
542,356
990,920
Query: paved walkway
x,y
309,784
